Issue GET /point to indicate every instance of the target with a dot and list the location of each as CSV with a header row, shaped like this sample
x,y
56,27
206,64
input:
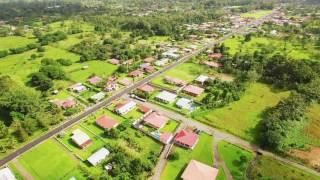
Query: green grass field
x,y
256,14
49,161
186,71
269,168
221,174
312,131
236,159
294,50
171,126
20,66
241,117
14,42
99,68
203,152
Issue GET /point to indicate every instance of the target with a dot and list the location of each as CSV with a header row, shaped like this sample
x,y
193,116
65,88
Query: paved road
x,y
220,135
128,89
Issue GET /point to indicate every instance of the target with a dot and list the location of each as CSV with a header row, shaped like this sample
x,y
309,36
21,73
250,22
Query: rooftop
x,y
106,122
198,170
156,120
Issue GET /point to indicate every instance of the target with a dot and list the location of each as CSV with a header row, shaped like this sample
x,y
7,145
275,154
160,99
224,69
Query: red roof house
x,y
94,80
193,90
186,139
175,81
198,170
114,61
149,69
135,73
146,88
144,109
149,59
156,120
216,55
213,64
68,103
166,137
106,122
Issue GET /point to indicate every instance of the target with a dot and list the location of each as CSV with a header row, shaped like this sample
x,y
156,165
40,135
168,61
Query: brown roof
x,y
106,122
146,88
144,109
149,59
198,170
176,81
194,90
135,73
156,120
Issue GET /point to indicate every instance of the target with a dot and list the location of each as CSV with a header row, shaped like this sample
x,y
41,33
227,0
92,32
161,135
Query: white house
x,y
166,97
78,87
126,107
97,97
6,174
184,103
80,138
202,79
98,156
162,62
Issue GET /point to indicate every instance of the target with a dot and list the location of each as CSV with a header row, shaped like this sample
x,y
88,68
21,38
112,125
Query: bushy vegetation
x,y
28,111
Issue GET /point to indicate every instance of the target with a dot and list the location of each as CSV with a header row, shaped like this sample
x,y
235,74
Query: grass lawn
x,y
232,156
241,117
68,43
294,50
171,126
221,174
20,66
65,26
269,168
256,14
14,42
186,71
99,68
312,131
203,152
48,161
133,114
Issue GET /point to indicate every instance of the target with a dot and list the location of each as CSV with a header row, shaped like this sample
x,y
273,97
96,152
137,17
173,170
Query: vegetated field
x,y
20,66
294,49
66,25
236,159
312,131
76,72
221,174
68,43
49,161
171,126
256,14
186,71
14,42
241,117
269,168
203,152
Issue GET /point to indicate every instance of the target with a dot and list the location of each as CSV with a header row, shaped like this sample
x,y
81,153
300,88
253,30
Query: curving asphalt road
x,y
93,109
